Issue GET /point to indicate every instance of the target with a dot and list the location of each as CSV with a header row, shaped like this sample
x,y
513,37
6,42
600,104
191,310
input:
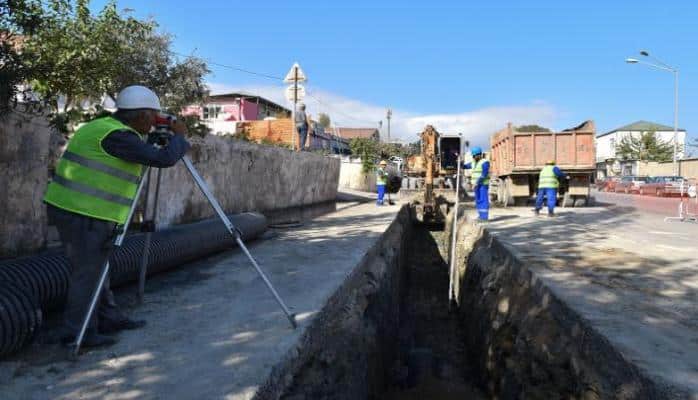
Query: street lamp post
x,y
663,66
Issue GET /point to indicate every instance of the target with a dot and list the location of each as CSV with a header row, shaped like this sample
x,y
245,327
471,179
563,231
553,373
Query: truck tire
x,y
508,199
567,200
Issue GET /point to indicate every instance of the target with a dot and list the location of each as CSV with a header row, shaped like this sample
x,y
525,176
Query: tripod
x,y
234,232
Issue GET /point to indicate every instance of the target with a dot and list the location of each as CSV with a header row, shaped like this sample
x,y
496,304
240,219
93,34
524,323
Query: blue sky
x,y
462,65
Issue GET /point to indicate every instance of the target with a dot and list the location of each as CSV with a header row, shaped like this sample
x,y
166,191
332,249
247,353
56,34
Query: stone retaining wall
x,y
243,176
24,152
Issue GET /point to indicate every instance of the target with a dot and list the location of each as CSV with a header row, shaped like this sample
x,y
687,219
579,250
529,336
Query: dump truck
x,y
517,158
429,178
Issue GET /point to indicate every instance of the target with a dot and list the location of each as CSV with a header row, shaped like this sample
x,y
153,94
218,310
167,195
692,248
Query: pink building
x,y
222,112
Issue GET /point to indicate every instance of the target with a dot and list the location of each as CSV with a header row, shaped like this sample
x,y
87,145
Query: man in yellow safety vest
x,y
92,191
480,181
548,183
381,181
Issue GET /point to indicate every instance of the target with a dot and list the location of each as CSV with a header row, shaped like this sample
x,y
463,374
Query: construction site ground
x,y
633,276
214,330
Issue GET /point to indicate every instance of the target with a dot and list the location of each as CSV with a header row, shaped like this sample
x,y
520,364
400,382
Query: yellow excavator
x,y
429,179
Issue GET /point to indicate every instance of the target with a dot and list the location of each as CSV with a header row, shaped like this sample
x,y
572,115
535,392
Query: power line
x,y
278,78
239,69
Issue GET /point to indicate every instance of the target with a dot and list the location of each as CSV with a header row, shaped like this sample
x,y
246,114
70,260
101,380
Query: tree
x,y
367,150
17,19
645,147
324,120
532,128
81,57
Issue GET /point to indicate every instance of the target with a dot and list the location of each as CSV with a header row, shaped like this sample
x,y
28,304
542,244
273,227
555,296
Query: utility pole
x,y
389,115
294,94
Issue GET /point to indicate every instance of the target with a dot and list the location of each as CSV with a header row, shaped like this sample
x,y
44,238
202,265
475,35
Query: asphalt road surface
x,y
665,206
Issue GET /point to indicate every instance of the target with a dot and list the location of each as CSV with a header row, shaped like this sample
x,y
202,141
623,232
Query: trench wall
x,y
243,176
526,343
348,349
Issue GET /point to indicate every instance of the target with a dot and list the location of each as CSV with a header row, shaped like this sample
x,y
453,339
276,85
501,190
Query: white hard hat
x,y
137,97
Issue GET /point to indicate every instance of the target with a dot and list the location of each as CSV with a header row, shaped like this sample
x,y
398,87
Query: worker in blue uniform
x,y
548,183
480,180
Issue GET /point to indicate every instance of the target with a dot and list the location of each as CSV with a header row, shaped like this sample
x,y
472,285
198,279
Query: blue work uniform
x,y
480,179
548,183
381,182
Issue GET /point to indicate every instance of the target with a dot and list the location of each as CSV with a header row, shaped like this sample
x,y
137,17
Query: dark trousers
x,y
302,135
87,242
550,194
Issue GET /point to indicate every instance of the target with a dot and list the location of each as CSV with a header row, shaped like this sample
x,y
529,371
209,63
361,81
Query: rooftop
x,y
642,126
251,97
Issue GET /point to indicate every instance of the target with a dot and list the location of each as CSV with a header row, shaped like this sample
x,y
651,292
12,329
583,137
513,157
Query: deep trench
x,y
431,360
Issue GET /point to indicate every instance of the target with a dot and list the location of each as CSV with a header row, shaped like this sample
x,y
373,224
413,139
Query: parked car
x,y
630,184
663,185
606,184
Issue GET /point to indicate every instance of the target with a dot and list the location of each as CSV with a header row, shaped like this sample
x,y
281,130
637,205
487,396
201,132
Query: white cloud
x,y
476,125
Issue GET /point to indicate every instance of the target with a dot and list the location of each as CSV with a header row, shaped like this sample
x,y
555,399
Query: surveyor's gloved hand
x,y
179,127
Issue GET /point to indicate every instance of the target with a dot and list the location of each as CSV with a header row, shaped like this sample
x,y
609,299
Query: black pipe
x,y
30,284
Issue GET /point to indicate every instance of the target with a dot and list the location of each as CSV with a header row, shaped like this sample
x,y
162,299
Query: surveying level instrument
x,y
159,137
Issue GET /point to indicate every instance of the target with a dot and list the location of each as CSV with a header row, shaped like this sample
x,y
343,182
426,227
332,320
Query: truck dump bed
x,y
526,152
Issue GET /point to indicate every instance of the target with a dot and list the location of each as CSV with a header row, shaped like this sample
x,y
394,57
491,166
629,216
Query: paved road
x,y
633,276
665,206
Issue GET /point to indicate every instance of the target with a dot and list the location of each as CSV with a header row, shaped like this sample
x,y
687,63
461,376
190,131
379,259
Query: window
x,y
211,111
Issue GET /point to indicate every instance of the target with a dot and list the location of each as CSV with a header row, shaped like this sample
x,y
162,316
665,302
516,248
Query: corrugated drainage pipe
x,y
32,284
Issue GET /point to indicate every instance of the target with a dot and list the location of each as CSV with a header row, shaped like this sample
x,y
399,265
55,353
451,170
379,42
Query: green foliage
x,y
367,150
195,127
532,128
387,150
83,56
324,120
645,147
17,18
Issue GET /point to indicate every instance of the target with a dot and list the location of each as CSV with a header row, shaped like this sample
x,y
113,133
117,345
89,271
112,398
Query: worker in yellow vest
x,y
381,181
480,181
92,191
548,183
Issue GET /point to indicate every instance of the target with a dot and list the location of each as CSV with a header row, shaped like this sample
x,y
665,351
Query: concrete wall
x,y
245,177
687,168
352,177
24,150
